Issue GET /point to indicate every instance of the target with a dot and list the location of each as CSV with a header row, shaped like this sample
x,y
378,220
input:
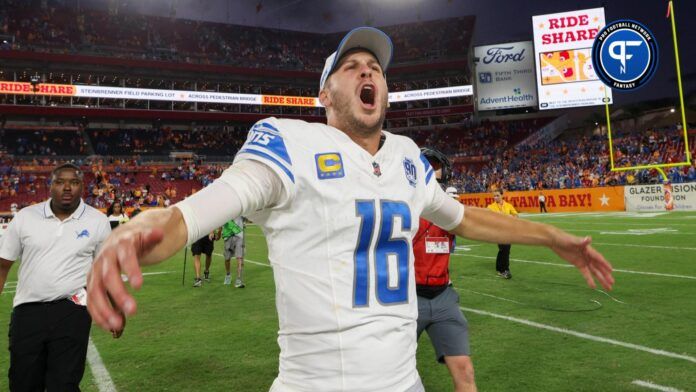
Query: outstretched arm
x,y
484,225
154,236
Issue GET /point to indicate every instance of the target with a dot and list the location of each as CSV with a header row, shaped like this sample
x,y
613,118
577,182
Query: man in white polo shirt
x,y
56,241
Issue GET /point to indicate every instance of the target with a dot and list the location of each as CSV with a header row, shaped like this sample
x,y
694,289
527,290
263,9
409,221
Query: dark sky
x,y
496,21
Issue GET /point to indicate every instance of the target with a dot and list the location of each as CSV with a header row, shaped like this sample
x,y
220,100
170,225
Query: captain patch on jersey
x,y
329,165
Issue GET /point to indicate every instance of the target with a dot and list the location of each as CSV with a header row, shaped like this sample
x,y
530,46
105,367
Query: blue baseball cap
x,y
369,38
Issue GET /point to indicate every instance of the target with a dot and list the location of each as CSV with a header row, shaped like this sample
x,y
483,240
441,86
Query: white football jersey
x,y
340,246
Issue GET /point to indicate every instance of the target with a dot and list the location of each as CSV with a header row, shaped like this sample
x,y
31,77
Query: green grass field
x,y
544,330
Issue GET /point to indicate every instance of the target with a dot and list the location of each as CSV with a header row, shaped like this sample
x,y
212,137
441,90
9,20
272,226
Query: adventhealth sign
x,y
507,100
505,76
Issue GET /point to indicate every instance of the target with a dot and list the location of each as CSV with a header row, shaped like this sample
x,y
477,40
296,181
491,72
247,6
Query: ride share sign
x,y
505,76
565,73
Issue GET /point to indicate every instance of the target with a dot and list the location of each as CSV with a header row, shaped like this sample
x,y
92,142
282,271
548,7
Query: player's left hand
x,y
579,252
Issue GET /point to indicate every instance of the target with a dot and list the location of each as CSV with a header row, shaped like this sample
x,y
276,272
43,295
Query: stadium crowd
x,y
215,141
130,181
577,161
62,27
476,140
486,156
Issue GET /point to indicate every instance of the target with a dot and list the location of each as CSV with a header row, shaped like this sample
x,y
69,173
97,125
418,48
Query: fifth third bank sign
x,y
505,76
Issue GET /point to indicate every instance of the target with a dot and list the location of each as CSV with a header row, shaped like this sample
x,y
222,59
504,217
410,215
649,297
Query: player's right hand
x,y
579,252
120,252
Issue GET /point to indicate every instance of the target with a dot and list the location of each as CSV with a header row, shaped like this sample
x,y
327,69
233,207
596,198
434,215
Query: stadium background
x,y
155,152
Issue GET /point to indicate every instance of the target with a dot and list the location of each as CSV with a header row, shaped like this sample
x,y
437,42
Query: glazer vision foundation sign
x,y
660,197
505,76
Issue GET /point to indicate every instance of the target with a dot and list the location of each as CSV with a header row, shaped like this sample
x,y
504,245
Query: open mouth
x,y
367,95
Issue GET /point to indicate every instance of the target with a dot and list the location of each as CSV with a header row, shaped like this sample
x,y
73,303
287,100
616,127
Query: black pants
x,y
203,245
502,262
542,206
48,346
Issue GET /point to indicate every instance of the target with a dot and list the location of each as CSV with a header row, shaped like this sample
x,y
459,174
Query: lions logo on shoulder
x,y
410,170
625,55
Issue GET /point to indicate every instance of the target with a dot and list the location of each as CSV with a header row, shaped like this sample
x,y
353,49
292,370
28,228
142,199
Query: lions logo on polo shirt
x,y
329,165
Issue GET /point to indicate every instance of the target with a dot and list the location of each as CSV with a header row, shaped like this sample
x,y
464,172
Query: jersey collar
x,y
77,214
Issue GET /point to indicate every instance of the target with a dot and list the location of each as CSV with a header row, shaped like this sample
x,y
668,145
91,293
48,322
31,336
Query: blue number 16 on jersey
x,y
385,246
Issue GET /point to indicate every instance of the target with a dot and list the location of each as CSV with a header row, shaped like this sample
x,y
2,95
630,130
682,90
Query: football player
x,y
339,204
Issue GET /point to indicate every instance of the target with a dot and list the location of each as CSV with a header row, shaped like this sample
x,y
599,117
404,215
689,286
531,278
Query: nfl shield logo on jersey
x,y
410,170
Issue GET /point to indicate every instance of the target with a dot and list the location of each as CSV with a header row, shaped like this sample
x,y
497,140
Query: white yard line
x,y
625,233
648,384
645,246
10,287
664,215
583,335
612,298
593,223
570,266
158,273
257,263
125,278
247,260
101,376
491,295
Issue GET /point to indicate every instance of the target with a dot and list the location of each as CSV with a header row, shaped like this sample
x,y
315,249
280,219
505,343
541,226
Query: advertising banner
x,y
25,88
557,200
658,197
431,93
166,95
81,91
563,53
505,76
